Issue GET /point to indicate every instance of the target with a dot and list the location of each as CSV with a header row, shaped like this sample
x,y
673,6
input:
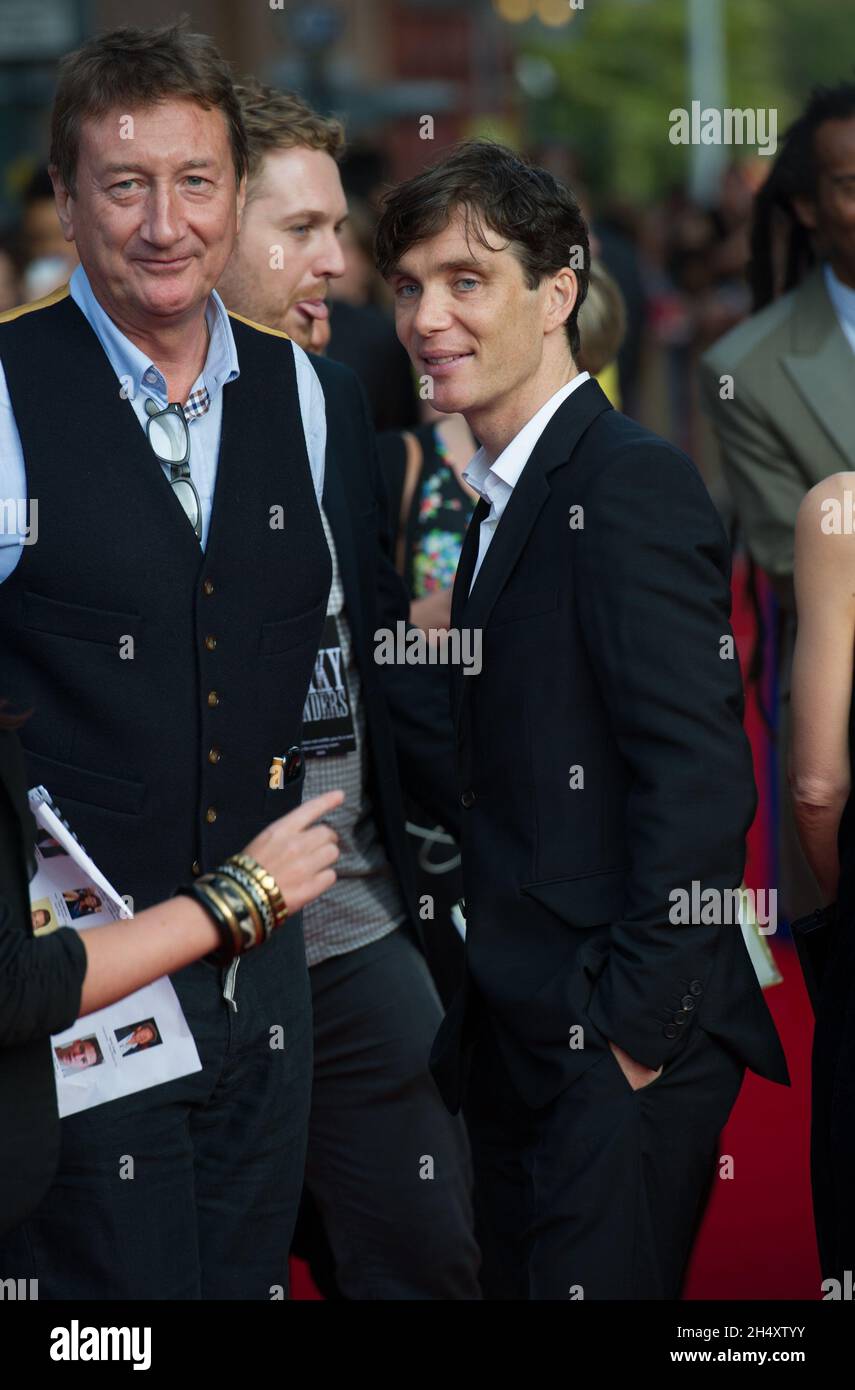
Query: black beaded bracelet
x,y
230,944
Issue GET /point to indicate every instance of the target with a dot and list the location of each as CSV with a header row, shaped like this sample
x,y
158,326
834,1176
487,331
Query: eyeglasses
x,y
169,436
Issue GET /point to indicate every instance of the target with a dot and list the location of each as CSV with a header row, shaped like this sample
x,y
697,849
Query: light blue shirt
x,y
843,302
139,377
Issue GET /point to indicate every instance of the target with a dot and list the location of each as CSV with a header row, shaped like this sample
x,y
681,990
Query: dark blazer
x,y
363,338
40,984
408,718
602,764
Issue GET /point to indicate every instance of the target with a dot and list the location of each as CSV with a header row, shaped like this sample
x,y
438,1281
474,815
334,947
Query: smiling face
x,y
155,215
78,1054
289,247
143,1035
468,320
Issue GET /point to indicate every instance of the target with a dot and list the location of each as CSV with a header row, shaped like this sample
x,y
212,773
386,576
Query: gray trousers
x,y
387,1166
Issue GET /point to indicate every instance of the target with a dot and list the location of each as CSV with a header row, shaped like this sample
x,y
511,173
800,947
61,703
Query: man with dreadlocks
x,y
781,386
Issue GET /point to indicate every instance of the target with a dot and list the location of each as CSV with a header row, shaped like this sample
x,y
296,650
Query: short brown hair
x,y
490,184
131,67
277,120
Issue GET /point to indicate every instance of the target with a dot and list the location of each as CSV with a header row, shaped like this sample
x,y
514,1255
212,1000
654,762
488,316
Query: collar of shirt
x,y
495,482
137,373
842,301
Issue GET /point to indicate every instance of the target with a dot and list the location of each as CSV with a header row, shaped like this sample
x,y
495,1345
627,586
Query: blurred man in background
x,y
780,386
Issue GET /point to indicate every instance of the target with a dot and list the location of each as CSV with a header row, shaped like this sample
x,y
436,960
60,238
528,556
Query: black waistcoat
x,y
163,679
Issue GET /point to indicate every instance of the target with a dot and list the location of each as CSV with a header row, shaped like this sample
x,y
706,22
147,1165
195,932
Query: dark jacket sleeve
x,y
40,981
41,978
418,697
652,574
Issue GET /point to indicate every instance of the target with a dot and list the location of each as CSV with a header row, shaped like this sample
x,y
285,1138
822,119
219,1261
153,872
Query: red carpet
x,y
757,1240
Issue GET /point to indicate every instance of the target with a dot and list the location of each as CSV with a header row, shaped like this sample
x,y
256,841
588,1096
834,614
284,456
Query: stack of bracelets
x,y
245,902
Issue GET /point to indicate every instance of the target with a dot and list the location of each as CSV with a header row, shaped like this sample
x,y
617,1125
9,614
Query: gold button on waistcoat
x,y
210,643
214,755
208,586
213,698
211,815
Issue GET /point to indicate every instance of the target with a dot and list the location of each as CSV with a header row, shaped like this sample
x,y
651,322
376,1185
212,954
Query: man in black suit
x,y
387,1167
597,1045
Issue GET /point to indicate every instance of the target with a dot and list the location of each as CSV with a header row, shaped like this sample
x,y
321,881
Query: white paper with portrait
x,y
142,1040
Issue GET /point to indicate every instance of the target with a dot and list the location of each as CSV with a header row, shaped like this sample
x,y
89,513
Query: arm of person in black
x,y
40,978
418,697
652,573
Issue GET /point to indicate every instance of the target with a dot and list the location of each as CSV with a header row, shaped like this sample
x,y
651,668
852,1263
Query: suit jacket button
x,y
211,815
467,798
696,988
687,1002
208,586
213,699
214,755
196,868
680,1017
670,1030
210,643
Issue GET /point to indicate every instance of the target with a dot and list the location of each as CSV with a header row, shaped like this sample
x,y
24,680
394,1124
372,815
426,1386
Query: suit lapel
x,y
338,515
822,367
555,447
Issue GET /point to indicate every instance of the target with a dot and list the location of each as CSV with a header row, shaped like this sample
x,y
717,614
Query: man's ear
x,y
563,292
64,203
805,210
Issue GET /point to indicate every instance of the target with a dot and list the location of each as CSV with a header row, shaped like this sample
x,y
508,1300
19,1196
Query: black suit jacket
x,y
408,718
602,764
40,984
363,338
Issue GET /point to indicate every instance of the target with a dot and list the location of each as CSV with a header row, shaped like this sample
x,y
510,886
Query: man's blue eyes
x,y
124,185
464,280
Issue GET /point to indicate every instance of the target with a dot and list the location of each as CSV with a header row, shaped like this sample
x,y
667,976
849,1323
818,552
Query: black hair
x,y
793,175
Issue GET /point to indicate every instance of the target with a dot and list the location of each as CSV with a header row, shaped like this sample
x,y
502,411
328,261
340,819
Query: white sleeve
x,y
314,417
13,486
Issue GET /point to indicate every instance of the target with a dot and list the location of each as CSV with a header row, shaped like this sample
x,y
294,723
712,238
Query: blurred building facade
x,y
384,65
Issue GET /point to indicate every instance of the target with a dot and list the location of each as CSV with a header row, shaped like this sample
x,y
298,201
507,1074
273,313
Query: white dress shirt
x,y
495,482
843,302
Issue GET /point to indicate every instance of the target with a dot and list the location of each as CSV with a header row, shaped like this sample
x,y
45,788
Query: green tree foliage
x,y
622,66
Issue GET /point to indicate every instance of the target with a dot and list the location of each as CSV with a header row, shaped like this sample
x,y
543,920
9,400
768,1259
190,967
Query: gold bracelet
x,y
261,899
205,885
266,882
246,907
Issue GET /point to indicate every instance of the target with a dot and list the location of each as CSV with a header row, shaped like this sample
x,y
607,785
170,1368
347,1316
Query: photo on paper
x,y
47,847
43,916
137,1037
79,1054
82,902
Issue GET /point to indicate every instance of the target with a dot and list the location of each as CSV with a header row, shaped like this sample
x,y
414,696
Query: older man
x,y
164,628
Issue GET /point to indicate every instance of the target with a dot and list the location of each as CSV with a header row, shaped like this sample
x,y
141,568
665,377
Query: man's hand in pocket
x,y
637,1075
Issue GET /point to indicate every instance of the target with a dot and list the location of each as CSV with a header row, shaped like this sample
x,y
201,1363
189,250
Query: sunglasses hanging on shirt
x,y
169,436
